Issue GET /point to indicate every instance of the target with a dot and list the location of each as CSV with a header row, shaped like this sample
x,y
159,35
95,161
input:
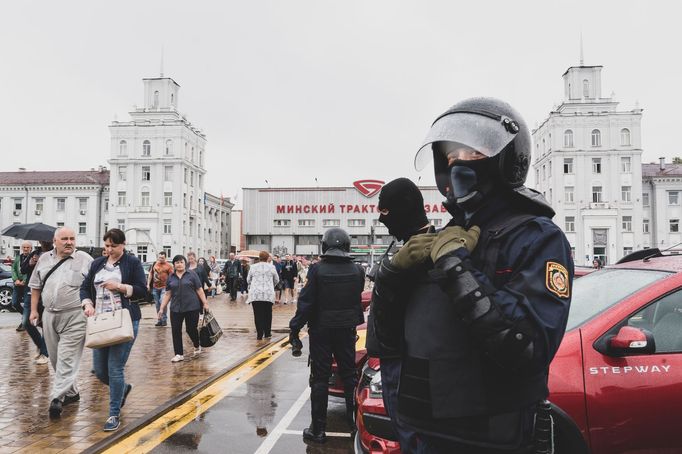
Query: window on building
x,y
82,228
586,88
167,173
60,224
674,225
550,196
144,198
146,173
568,165
549,170
331,222
82,203
186,173
192,154
544,172
61,204
627,223
18,204
568,139
167,226
121,224
645,225
201,158
106,226
625,137
570,223
191,178
596,194
568,194
306,222
184,200
122,199
281,222
39,203
626,164
627,250
596,165
123,148
106,204
167,199
169,147
184,227
146,148
436,222
356,223
596,138
625,193
142,253
167,250
673,197
123,173
645,199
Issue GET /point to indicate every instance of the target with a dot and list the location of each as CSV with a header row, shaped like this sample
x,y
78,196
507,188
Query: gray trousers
x,y
65,338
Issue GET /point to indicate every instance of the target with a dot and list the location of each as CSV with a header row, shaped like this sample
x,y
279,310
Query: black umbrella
x,y
37,231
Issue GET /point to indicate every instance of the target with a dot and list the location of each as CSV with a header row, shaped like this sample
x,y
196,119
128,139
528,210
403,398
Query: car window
x,y
664,319
596,292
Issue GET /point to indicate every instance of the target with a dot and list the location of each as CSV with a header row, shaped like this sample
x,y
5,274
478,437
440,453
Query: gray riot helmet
x,y
486,125
335,243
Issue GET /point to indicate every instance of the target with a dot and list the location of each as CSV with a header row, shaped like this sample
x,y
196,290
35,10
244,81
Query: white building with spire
x,y
158,171
587,162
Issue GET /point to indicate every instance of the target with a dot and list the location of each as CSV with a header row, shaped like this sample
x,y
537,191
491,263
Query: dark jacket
x,y
234,265
132,273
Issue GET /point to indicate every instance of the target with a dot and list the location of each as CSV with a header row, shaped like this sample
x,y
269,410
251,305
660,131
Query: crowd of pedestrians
x,y
58,287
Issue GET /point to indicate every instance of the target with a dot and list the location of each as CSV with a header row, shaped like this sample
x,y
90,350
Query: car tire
x,y
567,436
5,298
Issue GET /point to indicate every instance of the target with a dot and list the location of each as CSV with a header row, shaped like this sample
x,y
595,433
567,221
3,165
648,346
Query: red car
x,y
335,382
616,380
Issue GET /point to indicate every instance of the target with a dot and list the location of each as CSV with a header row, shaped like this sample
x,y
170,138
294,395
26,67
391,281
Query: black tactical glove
x,y
296,344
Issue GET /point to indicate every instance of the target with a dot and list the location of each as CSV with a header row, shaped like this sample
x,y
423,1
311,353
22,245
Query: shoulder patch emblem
x,y
556,280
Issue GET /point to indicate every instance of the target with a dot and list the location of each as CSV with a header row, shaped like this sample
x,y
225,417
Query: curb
x,y
139,423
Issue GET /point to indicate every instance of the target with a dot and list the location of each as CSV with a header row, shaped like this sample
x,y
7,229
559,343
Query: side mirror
x,y
630,341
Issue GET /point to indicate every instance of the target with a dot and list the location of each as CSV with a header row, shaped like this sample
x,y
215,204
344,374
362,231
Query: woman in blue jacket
x,y
110,284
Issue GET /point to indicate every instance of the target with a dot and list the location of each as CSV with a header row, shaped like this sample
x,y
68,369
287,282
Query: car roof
x,y
671,263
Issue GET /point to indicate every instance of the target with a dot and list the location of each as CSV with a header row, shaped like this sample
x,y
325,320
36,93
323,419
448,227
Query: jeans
x,y
108,363
18,297
32,331
157,294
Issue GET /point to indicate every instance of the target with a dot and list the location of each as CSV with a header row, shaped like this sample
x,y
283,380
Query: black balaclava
x,y
405,205
471,182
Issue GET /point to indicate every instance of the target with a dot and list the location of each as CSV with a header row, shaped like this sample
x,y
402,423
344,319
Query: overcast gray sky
x,y
290,91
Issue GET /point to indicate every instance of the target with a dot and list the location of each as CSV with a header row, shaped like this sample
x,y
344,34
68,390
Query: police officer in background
x,y
330,303
483,324
401,208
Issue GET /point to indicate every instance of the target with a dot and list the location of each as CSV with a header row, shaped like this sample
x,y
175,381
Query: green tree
x,y
677,160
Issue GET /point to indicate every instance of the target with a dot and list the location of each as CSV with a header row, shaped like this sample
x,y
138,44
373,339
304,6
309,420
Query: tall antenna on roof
x,y
582,59
161,60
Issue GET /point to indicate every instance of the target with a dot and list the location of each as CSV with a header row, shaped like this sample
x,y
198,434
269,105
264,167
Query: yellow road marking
x,y
151,435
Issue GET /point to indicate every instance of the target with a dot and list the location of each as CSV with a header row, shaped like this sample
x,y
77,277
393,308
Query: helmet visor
x,y
484,134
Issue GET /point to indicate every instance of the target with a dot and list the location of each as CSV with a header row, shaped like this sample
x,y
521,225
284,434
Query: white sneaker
x,y
41,359
197,351
177,359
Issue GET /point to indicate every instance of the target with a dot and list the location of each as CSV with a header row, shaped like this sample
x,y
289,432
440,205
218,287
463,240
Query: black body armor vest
x,y
339,294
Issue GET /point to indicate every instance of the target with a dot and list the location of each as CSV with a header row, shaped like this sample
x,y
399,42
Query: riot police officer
x,y
483,324
401,208
330,303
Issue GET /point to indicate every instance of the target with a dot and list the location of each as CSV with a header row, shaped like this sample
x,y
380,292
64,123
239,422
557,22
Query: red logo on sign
x,y
368,188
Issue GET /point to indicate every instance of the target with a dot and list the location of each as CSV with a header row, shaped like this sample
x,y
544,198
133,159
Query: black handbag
x,y
209,331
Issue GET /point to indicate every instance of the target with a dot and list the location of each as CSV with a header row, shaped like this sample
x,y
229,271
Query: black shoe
x,y
71,399
20,327
55,408
129,388
311,435
159,323
164,323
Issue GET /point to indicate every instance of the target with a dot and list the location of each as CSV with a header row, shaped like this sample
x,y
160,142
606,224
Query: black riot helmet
x,y
335,243
487,125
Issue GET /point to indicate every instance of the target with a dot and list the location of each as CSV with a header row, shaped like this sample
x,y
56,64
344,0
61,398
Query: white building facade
x,y
158,174
293,220
662,203
587,162
59,198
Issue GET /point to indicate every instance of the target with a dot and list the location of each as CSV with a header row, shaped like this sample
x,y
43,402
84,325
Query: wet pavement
x,y
266,414
25,386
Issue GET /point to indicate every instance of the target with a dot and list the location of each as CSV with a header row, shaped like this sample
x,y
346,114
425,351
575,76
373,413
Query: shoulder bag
x,y
109,328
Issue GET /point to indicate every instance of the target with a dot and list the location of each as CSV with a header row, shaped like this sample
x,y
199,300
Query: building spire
x,y
161,61
582,59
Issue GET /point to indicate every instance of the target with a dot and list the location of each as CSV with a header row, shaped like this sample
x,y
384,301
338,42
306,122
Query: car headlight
x,y
375,386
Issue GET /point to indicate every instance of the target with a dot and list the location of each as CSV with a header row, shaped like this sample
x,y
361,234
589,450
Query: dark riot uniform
x,y
476,380
330,303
